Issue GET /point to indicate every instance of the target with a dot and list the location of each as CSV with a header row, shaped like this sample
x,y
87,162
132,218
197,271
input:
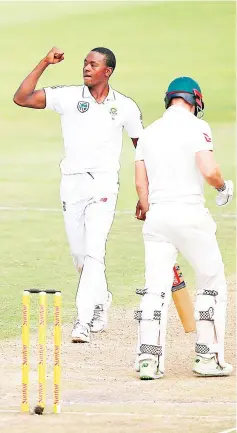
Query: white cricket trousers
x,y
190,229
89,202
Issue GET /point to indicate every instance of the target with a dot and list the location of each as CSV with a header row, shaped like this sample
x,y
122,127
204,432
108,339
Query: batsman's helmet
x,y
187,89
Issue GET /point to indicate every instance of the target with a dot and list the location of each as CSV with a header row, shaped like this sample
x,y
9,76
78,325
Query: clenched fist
x,y
54,56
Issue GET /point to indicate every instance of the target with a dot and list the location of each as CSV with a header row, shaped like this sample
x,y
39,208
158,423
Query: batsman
x,y
174,157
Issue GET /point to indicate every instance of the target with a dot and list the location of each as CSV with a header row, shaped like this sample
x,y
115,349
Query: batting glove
x,y
225,193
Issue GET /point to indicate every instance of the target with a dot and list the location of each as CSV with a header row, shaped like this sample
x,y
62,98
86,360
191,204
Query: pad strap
x,y
207,315
203,349
151,350
210,292
155,316
141,292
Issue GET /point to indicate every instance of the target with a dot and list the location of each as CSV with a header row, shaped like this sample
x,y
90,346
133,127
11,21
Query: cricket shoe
x,y
100,317
149,369
137,364
208,366
80,333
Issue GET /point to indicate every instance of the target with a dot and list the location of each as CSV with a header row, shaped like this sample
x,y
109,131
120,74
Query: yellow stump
x,y
25,350
42,349
57,351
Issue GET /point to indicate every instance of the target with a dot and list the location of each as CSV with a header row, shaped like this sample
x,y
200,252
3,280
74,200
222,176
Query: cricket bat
x,y
183,302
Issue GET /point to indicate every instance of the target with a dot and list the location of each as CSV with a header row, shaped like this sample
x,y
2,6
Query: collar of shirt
x,y
177,109
87,94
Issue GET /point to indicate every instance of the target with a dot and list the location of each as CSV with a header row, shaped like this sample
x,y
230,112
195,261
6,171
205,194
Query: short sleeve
x,y
139,150
204,137
133,120
56,98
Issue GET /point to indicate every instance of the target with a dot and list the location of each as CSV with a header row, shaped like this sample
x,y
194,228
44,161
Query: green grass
x,y
153,42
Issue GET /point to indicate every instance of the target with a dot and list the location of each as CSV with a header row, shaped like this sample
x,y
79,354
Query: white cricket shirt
x,y
168,147
92,132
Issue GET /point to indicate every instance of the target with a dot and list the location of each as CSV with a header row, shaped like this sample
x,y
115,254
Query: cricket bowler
x,y
93,116
174,157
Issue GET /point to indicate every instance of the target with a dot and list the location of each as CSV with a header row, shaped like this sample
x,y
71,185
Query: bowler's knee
x,y
97,254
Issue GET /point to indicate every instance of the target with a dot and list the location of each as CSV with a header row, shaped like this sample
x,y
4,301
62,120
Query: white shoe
x,y
209,367
80,333
100,317
149,369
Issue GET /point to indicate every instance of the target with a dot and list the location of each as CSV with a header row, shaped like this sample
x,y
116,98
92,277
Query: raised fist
x,y
54,56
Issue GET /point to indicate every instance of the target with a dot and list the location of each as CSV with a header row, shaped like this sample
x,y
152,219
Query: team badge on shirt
x,y
113,111
83,106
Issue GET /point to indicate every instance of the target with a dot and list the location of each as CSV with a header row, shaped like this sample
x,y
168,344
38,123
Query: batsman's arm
x,y
212,174
26,95
209,168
